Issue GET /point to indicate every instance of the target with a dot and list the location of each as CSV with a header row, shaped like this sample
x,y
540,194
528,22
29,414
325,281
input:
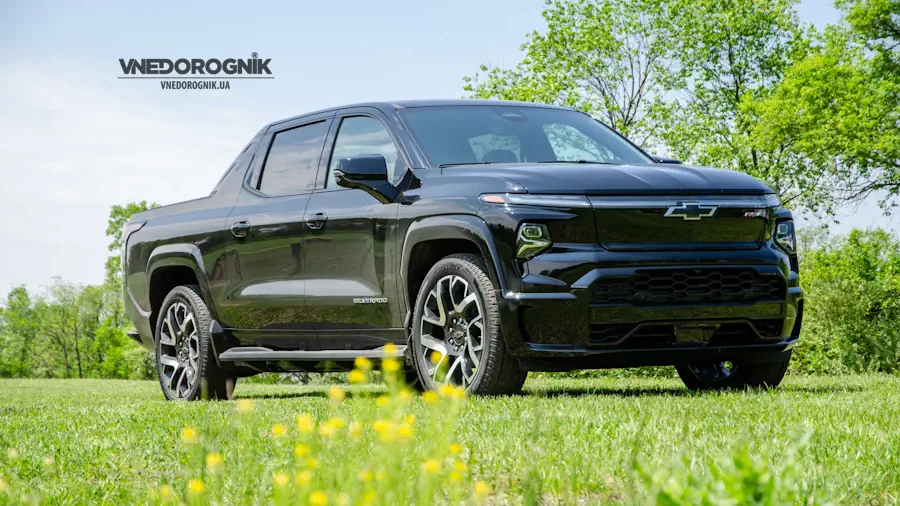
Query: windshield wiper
x,y
578,161
441,166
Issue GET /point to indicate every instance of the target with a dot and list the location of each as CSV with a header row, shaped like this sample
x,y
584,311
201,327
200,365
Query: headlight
x,y
785,237
532,239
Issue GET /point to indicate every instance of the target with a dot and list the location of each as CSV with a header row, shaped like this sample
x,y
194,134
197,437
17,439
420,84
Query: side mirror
x,y
662,159
368,173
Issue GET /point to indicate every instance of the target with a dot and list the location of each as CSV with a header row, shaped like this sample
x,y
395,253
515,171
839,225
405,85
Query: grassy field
x,y
587,441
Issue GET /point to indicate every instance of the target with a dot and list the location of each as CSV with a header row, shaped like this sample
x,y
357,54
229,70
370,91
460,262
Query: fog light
x,y
532,239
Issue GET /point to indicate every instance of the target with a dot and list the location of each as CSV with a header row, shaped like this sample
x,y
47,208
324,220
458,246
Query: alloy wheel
x,y
452,332
179,351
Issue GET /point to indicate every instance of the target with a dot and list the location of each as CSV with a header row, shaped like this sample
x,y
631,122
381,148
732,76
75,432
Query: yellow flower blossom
x,y
390,365
312,463
281,480
196,487
435,358
356,376
336,422
459,393
336,393
301,450
279,430
244,406
305,423
390,349
455,449
459,466
303,478
354,430
188,435
363,364
432,466
342,499
318,498
404,395
481,489
455,477
382,401
368,498
429,397
327,430
165,493
366,475
404,431
410,418
214,461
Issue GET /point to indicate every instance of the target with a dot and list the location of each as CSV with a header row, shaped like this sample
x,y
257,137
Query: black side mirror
x,y
662,159
367,173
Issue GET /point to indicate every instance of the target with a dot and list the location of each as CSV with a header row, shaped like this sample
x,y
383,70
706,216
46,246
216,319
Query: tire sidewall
x,y
445,267
180,294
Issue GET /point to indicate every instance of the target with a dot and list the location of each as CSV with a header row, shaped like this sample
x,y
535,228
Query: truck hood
x,y
601,179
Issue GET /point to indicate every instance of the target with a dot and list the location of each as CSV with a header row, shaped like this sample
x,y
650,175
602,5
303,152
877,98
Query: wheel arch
x,y
174,265
430,239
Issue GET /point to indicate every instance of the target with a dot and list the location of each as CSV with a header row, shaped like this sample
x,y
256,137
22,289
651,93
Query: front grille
x,y
688,286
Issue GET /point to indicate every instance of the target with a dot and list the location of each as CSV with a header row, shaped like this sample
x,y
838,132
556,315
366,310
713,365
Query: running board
x,y
259,354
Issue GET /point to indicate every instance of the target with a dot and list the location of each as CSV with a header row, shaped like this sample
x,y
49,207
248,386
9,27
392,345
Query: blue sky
x,y
75,140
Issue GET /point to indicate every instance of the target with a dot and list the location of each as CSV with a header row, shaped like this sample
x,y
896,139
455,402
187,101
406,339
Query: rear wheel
x,y
185,360
456,335
729,375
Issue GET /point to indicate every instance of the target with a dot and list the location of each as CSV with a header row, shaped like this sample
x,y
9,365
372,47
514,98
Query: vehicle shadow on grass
x,y
684,392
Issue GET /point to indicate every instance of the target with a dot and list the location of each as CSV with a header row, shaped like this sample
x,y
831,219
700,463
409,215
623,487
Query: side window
x,y
293,159
569,143
496,148
362,135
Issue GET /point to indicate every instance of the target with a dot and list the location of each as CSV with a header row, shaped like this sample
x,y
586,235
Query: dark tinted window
x,y
514,134
362,135
293,159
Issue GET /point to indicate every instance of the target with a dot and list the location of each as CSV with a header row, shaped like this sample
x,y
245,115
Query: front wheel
x,y
733,375
456,335
185,359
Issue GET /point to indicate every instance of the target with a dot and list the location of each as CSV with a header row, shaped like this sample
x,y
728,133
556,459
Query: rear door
x,y
351,262
265,301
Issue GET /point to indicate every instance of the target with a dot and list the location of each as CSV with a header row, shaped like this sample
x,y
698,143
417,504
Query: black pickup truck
x,y
480,239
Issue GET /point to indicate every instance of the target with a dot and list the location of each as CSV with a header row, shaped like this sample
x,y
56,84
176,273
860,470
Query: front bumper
x,y
553,320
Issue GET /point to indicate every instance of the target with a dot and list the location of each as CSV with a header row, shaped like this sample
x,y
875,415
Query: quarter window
x,y
362,135
293,159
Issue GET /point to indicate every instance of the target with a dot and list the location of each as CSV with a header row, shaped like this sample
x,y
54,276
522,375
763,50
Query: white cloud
x,y
73,143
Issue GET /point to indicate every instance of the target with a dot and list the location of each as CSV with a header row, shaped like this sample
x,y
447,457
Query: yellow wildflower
x,y
432,466
446,390
214,461
459,393
390,365
356,376
390,349
455,449
459,466
279,430
165,493
303,478
481,489
327,430
336,422
244,406
318,498
366,475
435,358
404,395
301,450
368,498
405,431
429,397
196,487
363,364
305,423
455,477
336,393
312,463
188,435
281,480
382,401
354,430
381,425
410,418
342,499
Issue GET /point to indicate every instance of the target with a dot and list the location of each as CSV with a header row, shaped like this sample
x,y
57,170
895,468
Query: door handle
x,y
240,229
316,221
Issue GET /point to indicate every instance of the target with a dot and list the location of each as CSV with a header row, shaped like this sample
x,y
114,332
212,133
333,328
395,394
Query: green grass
x,y
563,441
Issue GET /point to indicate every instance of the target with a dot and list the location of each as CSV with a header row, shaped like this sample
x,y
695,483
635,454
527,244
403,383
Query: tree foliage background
x,y
738,84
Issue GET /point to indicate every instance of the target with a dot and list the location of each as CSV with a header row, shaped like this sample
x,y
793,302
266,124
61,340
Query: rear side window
x,y
293,159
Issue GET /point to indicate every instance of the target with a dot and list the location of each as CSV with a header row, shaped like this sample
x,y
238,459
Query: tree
x,y
876,23
609,58
19,323
115,225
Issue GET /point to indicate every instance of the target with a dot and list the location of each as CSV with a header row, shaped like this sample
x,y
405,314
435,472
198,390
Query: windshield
x,y
456,135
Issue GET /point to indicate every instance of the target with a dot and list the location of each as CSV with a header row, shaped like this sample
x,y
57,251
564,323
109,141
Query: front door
x,y
351,265
265,302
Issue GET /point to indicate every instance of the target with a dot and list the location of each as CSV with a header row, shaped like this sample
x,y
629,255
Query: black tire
x,y
498,372
740,376
214,383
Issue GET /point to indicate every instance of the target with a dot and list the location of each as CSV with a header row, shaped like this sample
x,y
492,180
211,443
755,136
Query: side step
x,y
259,354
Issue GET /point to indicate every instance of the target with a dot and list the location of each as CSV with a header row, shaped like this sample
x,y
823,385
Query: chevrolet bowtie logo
x,y
690,211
